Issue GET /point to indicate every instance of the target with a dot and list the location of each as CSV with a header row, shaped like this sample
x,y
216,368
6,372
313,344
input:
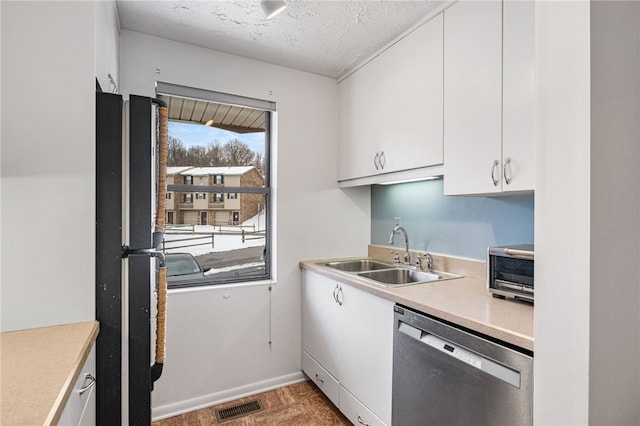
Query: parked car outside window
x,y
182,267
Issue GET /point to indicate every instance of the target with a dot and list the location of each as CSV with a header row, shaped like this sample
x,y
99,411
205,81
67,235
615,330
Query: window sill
x,y
201,288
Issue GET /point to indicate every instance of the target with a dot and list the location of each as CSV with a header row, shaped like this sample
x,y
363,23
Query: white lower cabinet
x,y
81,405
355,411
321,377
347,342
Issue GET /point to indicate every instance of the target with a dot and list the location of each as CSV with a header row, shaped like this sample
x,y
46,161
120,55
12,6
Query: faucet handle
x,y
396,256
429,259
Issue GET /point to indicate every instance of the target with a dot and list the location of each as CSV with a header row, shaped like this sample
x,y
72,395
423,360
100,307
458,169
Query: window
x,y
231,158
187,198
168,196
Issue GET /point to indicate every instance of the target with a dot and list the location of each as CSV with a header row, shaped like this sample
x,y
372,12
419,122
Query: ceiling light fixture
x,y
272,7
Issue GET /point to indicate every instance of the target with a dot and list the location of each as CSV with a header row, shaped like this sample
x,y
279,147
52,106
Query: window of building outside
x,y
219,143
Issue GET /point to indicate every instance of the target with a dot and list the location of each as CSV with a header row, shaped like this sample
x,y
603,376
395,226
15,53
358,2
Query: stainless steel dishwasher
x,y
447,376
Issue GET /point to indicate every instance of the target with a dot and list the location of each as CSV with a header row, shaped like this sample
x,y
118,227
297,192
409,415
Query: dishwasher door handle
x,y
461,354
410,330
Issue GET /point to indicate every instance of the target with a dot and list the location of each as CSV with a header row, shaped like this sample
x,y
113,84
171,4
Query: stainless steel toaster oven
x,y
510,271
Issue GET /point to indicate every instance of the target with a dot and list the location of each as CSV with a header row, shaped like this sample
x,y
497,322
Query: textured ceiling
x,y
324,37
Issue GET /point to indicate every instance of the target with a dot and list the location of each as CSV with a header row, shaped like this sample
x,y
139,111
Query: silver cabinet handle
x,y
340,298
493,173
318,378
87,386
382,160
507,166
335,293
376,161
361,422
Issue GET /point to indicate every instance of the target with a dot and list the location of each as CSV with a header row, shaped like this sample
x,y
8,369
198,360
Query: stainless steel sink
x,y
388,274
401,276
359,265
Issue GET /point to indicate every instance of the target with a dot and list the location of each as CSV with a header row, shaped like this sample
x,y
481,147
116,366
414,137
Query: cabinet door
x,y
107,45
81,405
320,325
357,115
473,97
393,106
518,95
366,345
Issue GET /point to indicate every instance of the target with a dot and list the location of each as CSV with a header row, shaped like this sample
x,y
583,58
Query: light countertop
x,y
464,301
39,367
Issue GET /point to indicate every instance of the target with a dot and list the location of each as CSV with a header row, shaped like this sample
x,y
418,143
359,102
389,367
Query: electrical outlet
x,y
396,220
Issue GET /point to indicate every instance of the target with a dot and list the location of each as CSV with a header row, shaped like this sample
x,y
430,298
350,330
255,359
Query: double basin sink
x,y
388,274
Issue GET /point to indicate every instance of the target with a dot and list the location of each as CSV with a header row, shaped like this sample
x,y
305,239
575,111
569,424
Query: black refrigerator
x,y
126,176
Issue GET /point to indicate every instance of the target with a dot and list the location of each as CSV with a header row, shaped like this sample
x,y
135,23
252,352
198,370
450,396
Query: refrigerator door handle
x,y
153,252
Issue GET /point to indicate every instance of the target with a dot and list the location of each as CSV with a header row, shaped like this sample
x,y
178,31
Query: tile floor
x,y
295,405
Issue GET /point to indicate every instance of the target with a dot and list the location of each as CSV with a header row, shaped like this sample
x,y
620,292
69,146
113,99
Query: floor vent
x,y
239,410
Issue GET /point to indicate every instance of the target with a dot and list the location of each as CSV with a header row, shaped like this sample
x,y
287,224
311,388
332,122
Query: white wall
x,y
224,352
562,220
48,163
587,214
614,370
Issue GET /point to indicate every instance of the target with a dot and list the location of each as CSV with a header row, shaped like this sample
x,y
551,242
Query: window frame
x,y
269,108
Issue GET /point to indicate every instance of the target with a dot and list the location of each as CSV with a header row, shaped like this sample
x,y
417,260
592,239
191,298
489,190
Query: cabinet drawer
x,y
325,381
355,411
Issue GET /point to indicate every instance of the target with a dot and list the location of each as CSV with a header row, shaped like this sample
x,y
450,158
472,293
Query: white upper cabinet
x,y
390,110
472,96
518,80
107,45
488,97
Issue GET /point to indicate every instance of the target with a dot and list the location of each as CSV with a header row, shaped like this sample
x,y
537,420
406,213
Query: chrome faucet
x,y
407,255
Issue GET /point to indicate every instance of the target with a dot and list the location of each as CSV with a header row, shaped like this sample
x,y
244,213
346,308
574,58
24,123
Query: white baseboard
x,y
181,407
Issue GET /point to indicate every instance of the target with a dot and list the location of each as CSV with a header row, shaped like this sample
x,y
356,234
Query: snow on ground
x,y
221,242
214,271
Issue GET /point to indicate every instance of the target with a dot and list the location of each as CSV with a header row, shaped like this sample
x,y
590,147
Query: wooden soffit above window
x,y
228,117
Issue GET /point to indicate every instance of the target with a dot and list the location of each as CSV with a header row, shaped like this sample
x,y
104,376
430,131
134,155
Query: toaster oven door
x,y
511,277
